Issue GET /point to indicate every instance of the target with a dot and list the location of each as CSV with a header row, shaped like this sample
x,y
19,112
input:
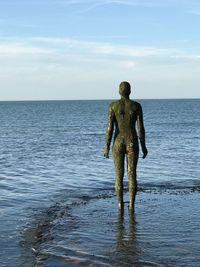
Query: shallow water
x,y
51,164
92,232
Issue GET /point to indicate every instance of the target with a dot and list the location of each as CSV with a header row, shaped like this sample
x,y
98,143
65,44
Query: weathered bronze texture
x,y
123,116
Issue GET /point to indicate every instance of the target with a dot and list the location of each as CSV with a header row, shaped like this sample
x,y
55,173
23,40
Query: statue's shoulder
x,y
135,104
114,104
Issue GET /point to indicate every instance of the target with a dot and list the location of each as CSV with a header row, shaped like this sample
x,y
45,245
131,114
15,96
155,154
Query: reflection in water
x,y
127,247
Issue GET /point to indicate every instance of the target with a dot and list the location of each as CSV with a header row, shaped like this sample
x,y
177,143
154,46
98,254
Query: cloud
x,y
186,57
19,49
88,5
71,51
101,48
128,64
80,6
63,68
142,3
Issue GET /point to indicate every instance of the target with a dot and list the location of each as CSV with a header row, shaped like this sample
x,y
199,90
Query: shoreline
x,y
92,231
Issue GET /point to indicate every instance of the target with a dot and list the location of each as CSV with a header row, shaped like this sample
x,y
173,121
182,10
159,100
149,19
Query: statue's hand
x,y
106,152
144,151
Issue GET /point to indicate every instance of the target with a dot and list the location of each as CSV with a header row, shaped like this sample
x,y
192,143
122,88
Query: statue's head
x,y
124,89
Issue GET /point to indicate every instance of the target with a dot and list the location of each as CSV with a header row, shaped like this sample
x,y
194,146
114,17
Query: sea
x,y
58,206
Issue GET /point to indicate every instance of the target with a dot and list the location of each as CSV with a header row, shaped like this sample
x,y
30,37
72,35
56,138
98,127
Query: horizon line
x,y
105,99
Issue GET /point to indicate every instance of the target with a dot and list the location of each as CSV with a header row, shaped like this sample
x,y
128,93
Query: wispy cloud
x,y
144,3
19,49
186,57
46,68
101,48
71,51
88,5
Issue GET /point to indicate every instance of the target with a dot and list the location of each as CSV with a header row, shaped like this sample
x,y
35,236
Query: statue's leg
x,y
118,157
132,159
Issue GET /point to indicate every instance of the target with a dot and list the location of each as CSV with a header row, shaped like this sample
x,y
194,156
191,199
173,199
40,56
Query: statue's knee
x,y
119,170
132,174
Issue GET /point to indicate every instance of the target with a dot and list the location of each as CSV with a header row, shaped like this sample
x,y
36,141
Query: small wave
x,y
70,257
169,188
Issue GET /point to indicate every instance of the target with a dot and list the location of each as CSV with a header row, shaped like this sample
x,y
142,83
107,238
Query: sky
x,y
83,49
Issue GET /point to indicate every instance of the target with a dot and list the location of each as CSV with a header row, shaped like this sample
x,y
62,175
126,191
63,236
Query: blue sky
x,y
83,49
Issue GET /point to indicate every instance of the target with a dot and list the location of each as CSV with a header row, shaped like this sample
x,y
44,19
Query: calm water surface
x,y
55,187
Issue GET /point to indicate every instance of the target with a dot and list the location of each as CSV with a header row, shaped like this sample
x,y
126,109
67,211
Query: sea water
x,y
58,205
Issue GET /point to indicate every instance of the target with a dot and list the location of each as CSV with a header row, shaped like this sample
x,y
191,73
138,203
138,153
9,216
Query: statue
x,y
123,116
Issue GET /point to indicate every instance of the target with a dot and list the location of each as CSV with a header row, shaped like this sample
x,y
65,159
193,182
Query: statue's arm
x,y
141,131
109,131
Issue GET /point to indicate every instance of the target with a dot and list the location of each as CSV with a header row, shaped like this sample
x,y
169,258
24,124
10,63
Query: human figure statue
x,y
123,115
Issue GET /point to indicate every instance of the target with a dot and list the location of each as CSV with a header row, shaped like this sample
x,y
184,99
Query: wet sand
x,y
163,231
